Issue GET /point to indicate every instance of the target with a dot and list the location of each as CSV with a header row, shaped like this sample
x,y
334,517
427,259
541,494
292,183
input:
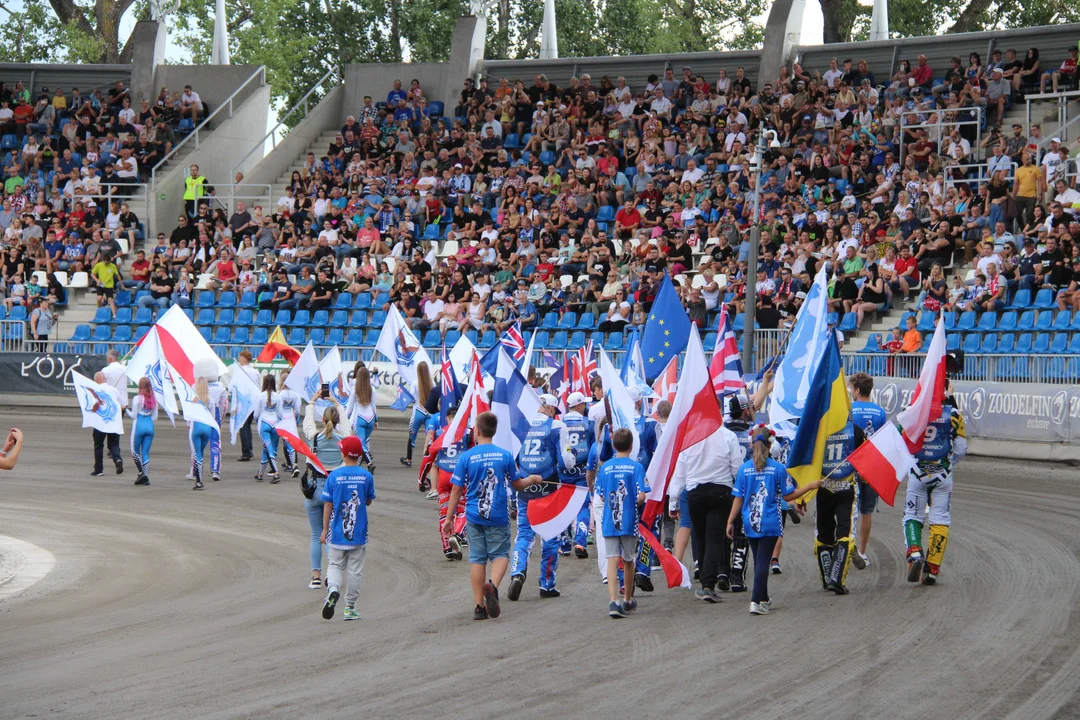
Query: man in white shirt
x,y
692,173
190,104
833,75
707,472
660,104
492,123
287,203
1066,195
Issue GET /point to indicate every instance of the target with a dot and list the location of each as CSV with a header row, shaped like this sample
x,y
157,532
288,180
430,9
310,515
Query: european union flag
x,y
667,330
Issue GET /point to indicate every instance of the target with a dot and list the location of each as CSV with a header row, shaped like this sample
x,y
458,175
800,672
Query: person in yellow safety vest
x,y
194,185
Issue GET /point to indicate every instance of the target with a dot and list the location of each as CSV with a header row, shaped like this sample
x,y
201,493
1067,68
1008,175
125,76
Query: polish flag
x,y
182,344
883,461
676,573
925,405
302,448
473,402
695,416
552,514
667,382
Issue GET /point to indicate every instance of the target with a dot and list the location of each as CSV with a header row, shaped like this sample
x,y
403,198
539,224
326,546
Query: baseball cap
x,y
351,446
1055,139
549,400
1029,241
635,393
575,399
801,295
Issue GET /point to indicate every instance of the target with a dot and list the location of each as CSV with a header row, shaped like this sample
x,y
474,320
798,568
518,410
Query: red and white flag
x,y
301,447
695,416
883,461
667,382
473,402
726,368
552,514
676,573
182,344
925,405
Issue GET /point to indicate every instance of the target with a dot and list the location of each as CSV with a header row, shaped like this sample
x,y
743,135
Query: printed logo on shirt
x,y
486,500
348,515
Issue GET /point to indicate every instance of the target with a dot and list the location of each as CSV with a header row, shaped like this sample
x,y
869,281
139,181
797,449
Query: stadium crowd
x,y
527,199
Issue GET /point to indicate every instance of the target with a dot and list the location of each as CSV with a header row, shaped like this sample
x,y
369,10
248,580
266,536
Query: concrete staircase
x,y
318,148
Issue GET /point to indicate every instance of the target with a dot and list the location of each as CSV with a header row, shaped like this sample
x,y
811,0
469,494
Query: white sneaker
x,y
432,495
315,584
865,559
767,604
189,476
759,608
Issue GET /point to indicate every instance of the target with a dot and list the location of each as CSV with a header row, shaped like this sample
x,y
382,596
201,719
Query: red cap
x,y
351,446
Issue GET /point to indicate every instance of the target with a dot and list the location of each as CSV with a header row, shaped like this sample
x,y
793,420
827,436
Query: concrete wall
x,y
376,80
329,113
212,83
216,155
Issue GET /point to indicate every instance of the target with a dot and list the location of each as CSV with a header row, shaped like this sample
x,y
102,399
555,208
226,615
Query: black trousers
x,y
710,505
100,441
833,515
245,437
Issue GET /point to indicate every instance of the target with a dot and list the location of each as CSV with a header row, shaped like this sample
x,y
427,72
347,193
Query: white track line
x,y
31,564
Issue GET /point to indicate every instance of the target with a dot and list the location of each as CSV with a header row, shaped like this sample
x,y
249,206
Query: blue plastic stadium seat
x,y
1074,345
344,301
903,320
1044,300
971,343
1027,321
547,157
240,336
989,343
247,300
362,301
1075,326
511,141
260,335
205,300
614,341
336,337
282,317
1008,323
988,322
952,343
381,300
301,319
568,321
1045,321
1023,344
967,321
296,337
226,317
359,318
927,323
709,342
1021,300
140,331
1061,321
558,340
321,318
1060,344
123,298
452,336
378,319
205,317
577,340
340,318
1007,344
487,339
205,332
122,334
1041,345
221,336
605,214
431,339
873,343
371,338
227,299
950,321
103,315
550,321
318,336
847,325
264,317
244,317
123,316
587,321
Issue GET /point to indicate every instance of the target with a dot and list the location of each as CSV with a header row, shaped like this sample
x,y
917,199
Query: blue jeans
x,y
526,536
314,508
147,301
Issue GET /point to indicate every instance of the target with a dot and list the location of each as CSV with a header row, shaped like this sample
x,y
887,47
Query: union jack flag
x,y
514,343
582,368
559,382
726,368
449,387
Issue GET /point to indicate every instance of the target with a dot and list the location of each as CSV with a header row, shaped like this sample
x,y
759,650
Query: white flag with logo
x,y
304,378
244,395
149,362
401,347
99,403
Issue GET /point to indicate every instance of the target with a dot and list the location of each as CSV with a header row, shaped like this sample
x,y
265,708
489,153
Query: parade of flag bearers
x,y
665,466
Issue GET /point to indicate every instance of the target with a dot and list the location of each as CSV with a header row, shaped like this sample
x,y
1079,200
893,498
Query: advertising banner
x,y
45,373
1000,410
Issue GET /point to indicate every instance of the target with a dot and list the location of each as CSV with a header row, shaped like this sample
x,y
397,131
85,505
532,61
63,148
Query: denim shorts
x,y
868,498
488,542
684,509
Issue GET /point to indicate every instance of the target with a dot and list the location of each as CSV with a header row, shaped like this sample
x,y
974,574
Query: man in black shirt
x,y
420,269
1050,270
844,292
241,222
322,294
183,231
282,292
161,289
767,316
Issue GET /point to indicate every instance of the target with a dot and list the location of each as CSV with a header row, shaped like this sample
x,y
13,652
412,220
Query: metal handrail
x,y
940,112
1061,102
273,134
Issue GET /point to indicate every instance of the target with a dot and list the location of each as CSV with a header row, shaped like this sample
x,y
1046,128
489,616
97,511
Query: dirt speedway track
x,y
166,603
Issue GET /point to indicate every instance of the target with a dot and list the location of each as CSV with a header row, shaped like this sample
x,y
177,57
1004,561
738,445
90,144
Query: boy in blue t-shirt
x,y
621,485
482,475
348,491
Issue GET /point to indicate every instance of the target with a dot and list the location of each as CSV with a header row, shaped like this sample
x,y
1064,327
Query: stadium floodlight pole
x,y
751,262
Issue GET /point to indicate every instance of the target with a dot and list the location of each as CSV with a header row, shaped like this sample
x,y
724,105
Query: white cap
x,y
576,399
635,393
549,400
1055,139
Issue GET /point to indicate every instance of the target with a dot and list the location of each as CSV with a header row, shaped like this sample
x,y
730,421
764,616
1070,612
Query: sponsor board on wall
x,y
45,373
999,410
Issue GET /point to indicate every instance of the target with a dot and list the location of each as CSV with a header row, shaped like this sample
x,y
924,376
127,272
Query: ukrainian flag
x,y
828,409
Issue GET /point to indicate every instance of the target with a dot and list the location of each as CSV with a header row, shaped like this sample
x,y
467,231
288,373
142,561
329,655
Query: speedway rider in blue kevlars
x,y
580,434
545,448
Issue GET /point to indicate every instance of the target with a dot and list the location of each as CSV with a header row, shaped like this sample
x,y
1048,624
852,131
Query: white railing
x,y
279,131
1061,101
1051,369
13,335
250,194
939,124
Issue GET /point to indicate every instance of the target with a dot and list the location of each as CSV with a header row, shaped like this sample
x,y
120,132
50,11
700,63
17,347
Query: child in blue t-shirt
x,y
621,485
348,491
482,474
759,486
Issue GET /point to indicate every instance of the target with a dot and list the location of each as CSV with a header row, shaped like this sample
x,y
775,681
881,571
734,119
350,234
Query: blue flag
x,y
403,400
667,330
451,390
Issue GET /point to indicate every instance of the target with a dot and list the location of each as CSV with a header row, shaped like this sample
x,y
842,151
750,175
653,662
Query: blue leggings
x,y
315,514
199,435
762,547
142,437
419,417
363,429
270,440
